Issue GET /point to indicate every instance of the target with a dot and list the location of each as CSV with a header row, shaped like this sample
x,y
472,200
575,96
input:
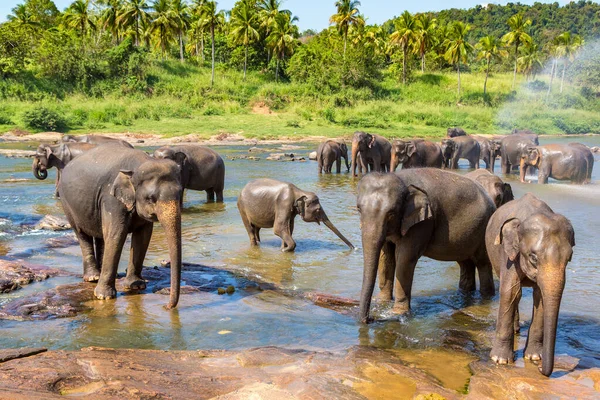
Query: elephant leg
x,y
338,165
534,346
140,239
115,235
320,164
219,193
210,195
181,197
485,272
510,295
467,276
386,272
250,228
475,163
56,194
99,245
256,234
281,228
505,166
91,269
517,326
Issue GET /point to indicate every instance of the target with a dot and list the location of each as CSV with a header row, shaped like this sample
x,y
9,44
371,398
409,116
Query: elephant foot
x,y
385,296
134,283
533,352
401,308
103,292
502,354
91,276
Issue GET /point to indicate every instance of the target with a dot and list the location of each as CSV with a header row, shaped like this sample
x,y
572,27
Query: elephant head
x,y
402,151
541,246
308,206
177,156
531,156
386,206
42,161
154,191
361,141
69,138
344,150
448,146
454,132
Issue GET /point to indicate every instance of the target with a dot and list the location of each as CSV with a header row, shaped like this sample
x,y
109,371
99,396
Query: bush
x,y
44,119
213,110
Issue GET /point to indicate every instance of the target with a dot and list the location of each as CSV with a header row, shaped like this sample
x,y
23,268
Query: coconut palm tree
x,y
135,16
181,16
531,60
346,16
517,36
553,49
425,36
78,16
458,49
244,20
213,20
490,49
23,17
568,45
163,24
404,36
196,31
268,10
282,39
109,19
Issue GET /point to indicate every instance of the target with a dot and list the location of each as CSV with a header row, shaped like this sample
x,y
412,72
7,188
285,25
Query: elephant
x,y
460,147
106,195
409,214
529,245
589,155
416,153
489,150
511,149
269,203
499,191
94,139
330,152
375,151
201,169
58,156
559,161
455,132
526,133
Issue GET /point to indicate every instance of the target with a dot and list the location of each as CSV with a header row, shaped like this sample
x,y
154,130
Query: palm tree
x,y
282,38
404,36
554,51
531,60
181,16
517,36
425,36
135,16
163,24
346,16
568,45
244,21
196,28
213,19
22,16
458,49
490,48
78,16
268,11
110,18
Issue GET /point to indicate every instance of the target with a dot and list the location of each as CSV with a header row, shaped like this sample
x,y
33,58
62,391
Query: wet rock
x,y
253,158
221,291
254,150
230,289
16,274
61,242
340,304
182,290
13,354
53,223
312,155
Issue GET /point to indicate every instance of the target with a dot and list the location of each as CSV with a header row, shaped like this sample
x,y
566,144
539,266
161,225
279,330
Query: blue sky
x,y
315,13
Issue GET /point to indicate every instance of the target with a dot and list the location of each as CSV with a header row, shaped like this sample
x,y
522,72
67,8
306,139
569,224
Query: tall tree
x,y
553,50
346,16
213,20
78,16
519,26
135,16
163,24
22,16
530,61
110,18
568,45
181,16
425,36
282,39
268,11
490,49
196,27
244,22
458,49
404,36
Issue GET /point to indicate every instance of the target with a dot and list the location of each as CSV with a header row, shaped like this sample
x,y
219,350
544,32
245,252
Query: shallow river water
x,y
213,235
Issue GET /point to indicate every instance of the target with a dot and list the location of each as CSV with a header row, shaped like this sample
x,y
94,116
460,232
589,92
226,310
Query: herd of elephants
x,y
108,189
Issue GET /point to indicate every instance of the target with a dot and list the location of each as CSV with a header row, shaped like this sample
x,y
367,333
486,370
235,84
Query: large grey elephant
x,y
489,149
57,156
106,195
529,245
499,191
511,149
330,152
455,132
269,203
411,213
572,162
94,139
416,153
375,151
201,168
460,147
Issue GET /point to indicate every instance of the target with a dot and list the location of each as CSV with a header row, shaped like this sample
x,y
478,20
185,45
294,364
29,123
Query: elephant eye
x,y
533,259
151,198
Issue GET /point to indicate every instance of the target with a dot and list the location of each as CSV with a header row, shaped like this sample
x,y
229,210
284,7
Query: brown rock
x,y
53,223
16,274
12,354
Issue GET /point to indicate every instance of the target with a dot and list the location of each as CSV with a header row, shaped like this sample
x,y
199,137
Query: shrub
x,y
212,109
5,117
329,114
42,118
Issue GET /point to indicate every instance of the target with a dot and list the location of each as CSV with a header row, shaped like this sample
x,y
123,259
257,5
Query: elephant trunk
x,y
330,225
551,303
523,171
394,162
39,173
169,216
371,249
354,156
346,160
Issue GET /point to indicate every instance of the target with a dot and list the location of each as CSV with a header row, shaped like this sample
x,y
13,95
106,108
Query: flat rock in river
x,y
53,223
16,274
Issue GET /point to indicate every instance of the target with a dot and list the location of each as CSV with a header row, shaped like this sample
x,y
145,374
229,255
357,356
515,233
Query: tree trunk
x,y
180,46
245,61
277,71
458,69
562,79
137,32
404,51
551,78
345,40
516,60
212,37
423,63
487,73
202,45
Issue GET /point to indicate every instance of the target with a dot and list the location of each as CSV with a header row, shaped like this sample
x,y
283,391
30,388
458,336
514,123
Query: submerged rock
x,y
16,274
312,155
53,223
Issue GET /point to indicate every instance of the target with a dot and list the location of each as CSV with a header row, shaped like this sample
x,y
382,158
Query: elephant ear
x,y
180,158
123,190
510,237
371,139
416,208
411,149
300,205
534,155
48,151
507,193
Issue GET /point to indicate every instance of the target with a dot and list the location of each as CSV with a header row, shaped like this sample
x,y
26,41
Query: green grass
x,y
182,102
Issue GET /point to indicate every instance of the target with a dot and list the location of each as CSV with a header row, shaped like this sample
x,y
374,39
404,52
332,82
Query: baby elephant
x,y
500,192
529,245
331,152
268,203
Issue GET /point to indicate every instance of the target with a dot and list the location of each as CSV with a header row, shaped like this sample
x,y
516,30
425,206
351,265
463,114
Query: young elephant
x,y
559,161
529,245
330,152
94,139
370,151
106,195
57,156
460,147
201,168
268,203
511,149
500,192
409,214
489,150
416,153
